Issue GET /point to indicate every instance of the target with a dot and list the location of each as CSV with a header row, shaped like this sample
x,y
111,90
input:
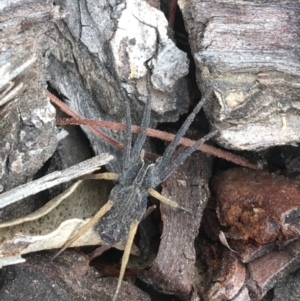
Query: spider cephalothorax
x,y
129,204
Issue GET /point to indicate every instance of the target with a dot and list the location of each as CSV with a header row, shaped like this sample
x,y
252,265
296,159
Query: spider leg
x,y
165,160
140,140
128,134
126,254
164,174
132,158
165,200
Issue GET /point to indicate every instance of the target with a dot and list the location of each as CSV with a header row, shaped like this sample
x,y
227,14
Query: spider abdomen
x,y
130,204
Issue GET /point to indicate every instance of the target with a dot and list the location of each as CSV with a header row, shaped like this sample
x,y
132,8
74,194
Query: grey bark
x,y
106,50
248,52
85,58
28,135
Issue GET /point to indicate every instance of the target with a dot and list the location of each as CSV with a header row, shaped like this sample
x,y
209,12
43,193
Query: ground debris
x,y
69,277
258,213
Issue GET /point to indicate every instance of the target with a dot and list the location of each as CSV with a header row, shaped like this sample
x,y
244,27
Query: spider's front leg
x,y
166,167
133,158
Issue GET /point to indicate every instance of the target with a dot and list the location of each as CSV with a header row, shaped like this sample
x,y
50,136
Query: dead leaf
x,y
50,226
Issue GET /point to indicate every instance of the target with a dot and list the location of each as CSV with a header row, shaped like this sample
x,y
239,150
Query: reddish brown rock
x,y
258,206
258,212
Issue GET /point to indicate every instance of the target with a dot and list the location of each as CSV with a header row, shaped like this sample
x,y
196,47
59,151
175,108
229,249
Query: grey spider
x,y
118,219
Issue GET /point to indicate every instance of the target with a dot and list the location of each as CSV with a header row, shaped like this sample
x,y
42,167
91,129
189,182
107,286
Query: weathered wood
x,y
53,179
106,50
249,53
226,274
287,289
173,270
27,120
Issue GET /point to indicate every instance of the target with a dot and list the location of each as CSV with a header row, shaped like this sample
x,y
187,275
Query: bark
x,y
173,270
106,52
248,53
28,137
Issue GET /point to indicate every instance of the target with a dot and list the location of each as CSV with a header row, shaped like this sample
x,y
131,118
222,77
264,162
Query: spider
x,y
118,219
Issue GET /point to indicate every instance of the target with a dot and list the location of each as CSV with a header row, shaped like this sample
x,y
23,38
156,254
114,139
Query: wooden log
x,y
28,134
248,52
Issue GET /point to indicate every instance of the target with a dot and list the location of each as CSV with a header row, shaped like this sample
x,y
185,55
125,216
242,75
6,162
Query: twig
x,y
81,121
163,136
55,178
78,120
72,113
